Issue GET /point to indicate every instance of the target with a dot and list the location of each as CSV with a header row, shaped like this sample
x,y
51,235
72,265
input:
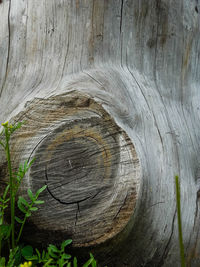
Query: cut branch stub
x,y
88,163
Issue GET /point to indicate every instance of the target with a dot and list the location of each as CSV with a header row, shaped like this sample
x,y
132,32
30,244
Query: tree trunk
x,y
109,92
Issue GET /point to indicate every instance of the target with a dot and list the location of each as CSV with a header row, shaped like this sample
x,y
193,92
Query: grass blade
x,y
178,204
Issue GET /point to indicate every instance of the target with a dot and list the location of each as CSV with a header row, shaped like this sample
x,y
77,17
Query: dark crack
x,y
78,211
37,146
157,203
121,15
120,29
197,207
64,202
8,54
166,250
94,79
196,220
121,207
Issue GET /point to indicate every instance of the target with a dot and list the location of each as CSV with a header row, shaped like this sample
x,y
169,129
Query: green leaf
x,y
27,251
66,256
48,262
28,214
38,253
38,201
6,191
75,263
53,248
5,231
11,260
5,206
21,206
43,254
69,264
18,220
18,257
59,262
31,258
94,263
41,190
30,163
88,262
25,165
33,209
52,253
6,201
66,243
2,262
20,171
30,194
23,201
91,256
13,128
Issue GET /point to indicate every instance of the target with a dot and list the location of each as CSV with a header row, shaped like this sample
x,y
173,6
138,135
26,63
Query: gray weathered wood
x,y
88,163
136,62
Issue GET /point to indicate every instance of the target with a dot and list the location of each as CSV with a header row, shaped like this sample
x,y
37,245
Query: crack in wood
x,y
196,222
121,207
121,15
64,184
64,202
8,54
166,249
157,203
37,146
78,211
197,208
89,75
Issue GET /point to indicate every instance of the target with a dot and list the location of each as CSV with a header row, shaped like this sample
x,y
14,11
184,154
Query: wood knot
x,y
88,163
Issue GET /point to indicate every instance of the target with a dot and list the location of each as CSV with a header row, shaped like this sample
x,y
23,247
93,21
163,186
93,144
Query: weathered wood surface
x,y
88,163
139,62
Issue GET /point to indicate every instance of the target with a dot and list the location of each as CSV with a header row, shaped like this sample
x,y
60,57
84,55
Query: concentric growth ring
x,y
88,163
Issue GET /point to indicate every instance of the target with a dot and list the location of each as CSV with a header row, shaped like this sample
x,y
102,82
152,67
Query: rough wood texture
x,y
138,61
88,163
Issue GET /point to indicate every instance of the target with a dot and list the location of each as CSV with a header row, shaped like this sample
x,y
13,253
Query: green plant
x,y
8,130
7,231
178,205
53,256
27,207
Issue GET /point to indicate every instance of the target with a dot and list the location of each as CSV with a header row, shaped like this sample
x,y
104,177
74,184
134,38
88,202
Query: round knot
x,y
88,163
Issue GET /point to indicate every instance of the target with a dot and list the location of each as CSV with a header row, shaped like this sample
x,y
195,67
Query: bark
x,y
109,91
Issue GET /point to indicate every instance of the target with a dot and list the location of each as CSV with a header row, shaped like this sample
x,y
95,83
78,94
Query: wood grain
x,y
139,61
88,163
